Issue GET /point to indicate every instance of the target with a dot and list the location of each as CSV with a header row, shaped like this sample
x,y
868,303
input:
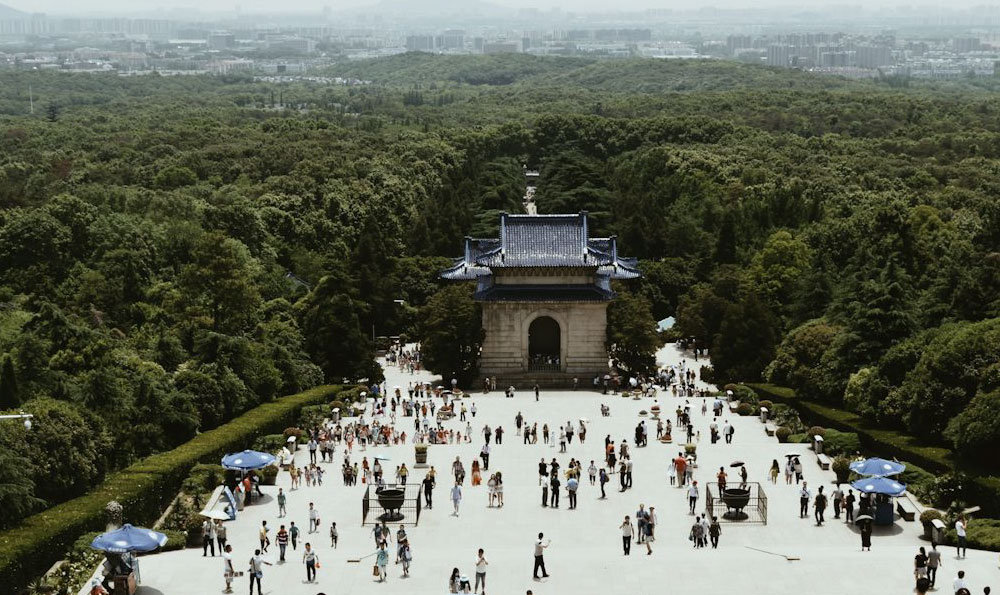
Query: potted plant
x,y
643,413
691,449
420,452
268,475
626,394
926,518
841,465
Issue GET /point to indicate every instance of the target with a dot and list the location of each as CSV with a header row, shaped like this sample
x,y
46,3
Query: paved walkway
x,y
585,556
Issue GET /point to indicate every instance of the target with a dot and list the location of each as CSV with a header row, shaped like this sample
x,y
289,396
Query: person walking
x,y
406,556
481,565
311,560
208,535
536,392
572,484
692,496
334,535
540,546
627,531
804,495
933,563
604,480
220,535
714,530
554,484
849,506
257,571
282,539
920,565
262,534
456,496
281,503
381,562
819,506
428,489
293,534
313,518
592,472
838,501
228,572
484,453
775,471
960,527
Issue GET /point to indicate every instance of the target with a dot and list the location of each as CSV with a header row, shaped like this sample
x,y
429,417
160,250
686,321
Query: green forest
x,y
177,250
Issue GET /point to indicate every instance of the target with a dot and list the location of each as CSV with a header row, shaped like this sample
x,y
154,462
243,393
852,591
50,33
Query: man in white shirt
x,y
959,582
725,432
228,572
960,532
481,565
804,495
693,496
540,546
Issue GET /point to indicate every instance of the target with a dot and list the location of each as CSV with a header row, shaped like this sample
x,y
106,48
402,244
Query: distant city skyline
x,y
170,8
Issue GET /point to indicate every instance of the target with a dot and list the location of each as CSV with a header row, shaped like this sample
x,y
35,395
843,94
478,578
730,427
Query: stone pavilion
x,y
544,286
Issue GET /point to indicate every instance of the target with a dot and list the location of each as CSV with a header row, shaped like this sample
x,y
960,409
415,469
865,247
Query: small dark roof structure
x,y
532,241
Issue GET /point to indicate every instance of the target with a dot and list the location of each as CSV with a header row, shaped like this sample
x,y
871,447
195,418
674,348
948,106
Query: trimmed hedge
x,y
888,443
144,489
983,489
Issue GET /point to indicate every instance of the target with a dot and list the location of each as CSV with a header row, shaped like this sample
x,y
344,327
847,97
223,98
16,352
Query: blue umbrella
x,y
879,485
247,460
876,466
129,539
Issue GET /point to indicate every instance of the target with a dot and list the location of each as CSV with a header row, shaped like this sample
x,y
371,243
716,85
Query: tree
x,y
9,397
222,277
17,489
746,341
632,338
778,265
451,333
331,322
975,432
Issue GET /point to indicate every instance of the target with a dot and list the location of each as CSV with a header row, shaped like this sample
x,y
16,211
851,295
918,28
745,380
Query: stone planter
x,y
420,454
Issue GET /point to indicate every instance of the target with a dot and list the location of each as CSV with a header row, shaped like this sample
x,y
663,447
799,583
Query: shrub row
x,y
143,489
983,490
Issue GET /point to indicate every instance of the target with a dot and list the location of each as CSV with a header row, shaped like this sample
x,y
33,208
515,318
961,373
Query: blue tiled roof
x,y
531,241
542,293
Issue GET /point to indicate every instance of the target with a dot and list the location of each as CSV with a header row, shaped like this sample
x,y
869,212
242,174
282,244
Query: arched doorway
x,y
544,344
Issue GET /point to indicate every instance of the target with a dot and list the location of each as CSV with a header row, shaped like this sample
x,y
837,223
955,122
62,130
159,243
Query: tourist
x,y
604,480
697,533
257,571
481,565
262,534
789,470
692,496
293,533
819,506
220,535
797,466
628,472
920,565
959,583
281,503
381,562
334,535
313,518
406,556
499,489
866,535
311,560
849,506
627,531
536,392
714,530
960,527
933,563
456,496
484,453
721,475
572,484
592,472
454,583
838,501
401,540
282,539
672,472
554,484
477,477
208,535
804,495
775,470
428,489
540,547
459,470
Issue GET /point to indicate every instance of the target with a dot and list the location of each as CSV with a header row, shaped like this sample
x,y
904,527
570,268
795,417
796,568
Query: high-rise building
x,y
964,45
420,43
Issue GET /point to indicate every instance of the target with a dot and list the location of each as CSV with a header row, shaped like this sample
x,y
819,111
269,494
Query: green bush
x,y
981,534
313,415
768,404
144,489
841,465
798,438
816,431
339,405
782,433
836,443
271,443
745,409
918,481
929,515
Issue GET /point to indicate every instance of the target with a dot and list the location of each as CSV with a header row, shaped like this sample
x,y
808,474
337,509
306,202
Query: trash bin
x,y
937,530
763,414
818,444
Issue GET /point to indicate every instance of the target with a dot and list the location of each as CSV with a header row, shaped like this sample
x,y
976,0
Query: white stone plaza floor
x,y
586,551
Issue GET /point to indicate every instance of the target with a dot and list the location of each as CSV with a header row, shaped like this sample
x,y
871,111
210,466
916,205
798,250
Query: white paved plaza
x,y
586,551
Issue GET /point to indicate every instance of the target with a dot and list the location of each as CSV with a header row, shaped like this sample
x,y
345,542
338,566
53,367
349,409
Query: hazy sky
x,y
228,6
